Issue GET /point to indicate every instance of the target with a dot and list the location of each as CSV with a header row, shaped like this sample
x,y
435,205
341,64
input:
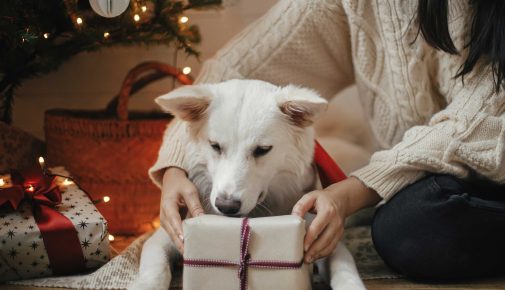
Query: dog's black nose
x,y
228,205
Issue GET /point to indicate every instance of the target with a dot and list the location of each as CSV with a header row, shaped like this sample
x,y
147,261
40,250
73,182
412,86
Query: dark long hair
x,y
487,34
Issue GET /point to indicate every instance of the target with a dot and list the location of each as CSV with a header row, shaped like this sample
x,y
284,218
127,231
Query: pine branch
x,y
7,104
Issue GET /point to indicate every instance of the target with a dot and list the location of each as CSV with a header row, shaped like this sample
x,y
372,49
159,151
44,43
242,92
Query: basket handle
x,y
132,80
138,85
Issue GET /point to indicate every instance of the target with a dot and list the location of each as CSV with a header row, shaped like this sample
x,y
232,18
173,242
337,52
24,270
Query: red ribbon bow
x,y
58,232
32,186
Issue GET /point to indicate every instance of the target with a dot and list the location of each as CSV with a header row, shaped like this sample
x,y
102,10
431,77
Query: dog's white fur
x,y
241,115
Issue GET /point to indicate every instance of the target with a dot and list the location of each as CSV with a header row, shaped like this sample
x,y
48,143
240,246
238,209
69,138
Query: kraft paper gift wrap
x,y
218,238
23,252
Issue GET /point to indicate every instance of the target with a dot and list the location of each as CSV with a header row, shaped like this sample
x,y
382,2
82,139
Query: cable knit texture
x,y
424,119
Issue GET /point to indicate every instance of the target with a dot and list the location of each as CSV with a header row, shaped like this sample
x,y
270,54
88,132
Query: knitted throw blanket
x,y
121,270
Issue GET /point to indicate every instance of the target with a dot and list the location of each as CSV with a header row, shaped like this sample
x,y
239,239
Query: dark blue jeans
x,y
443,228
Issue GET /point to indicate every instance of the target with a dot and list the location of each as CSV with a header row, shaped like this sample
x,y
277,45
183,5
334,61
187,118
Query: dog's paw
x,y
142,284
347,284
152,282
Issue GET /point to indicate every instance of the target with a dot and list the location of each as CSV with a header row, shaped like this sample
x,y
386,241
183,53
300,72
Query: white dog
x,y
250,153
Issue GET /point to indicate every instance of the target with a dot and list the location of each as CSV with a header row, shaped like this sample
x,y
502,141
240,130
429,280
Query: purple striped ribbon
x,y
245,259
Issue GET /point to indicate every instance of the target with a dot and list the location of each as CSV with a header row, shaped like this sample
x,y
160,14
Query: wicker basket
x,y
110,151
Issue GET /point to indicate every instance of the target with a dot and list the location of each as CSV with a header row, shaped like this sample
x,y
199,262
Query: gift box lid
x,y
218,237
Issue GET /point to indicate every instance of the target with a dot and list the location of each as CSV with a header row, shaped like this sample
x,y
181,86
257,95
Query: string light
x,y
67,182
106,199
2,182
42,162
106,35
30,188
144,8
156,223
111,238
23,39
136,17
46,35
183,19
186,70
79,20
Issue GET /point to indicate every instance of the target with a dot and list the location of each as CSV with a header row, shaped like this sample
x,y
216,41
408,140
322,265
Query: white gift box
x,y
219,253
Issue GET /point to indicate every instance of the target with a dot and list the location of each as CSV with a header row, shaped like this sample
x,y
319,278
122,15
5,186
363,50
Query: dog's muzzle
x,y
228,205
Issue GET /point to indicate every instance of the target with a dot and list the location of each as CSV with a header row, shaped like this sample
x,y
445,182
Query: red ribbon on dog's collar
x,y
329,171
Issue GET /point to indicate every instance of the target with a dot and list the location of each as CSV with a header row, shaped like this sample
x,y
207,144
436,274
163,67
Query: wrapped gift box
x,y
46,237
236,254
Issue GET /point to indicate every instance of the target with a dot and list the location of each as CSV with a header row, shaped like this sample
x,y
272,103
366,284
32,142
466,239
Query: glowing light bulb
x,y
106,35
30,188
67,182
79,20
42,162
46,35
186,70
2,182
106,199
111,238
136,17
183,19
144,8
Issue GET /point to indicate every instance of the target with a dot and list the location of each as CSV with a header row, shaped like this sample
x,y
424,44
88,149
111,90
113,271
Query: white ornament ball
x,y
109,8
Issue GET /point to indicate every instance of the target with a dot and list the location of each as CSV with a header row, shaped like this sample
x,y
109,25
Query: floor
x,y
395,284
379,284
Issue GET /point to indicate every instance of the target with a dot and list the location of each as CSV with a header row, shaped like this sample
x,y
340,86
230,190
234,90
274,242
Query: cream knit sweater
x,y
423,118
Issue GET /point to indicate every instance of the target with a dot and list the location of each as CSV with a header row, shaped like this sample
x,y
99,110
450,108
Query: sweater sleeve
x,y
303,42
468,135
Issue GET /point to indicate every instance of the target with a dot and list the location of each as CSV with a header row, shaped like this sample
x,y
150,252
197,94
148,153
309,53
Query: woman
x,y
430,76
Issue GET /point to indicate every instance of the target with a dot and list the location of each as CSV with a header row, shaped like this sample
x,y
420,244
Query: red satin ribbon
x,y
329,171
58,233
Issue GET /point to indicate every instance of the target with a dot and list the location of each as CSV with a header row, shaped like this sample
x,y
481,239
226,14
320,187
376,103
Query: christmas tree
x,y
37,36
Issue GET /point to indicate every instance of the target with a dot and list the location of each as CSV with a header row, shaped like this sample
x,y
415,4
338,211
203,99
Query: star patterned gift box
x,y
33,241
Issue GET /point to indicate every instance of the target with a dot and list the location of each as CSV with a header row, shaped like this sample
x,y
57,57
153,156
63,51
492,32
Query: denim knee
x,y
429,231
398,232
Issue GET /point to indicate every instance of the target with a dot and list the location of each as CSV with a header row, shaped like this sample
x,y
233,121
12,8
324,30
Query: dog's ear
x,y
188,103
301,106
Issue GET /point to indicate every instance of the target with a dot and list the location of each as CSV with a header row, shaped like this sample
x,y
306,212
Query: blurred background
x,y
90,80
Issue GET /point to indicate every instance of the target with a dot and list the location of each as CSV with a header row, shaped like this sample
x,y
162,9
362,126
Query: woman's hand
x,y
178,197
331,206
328,225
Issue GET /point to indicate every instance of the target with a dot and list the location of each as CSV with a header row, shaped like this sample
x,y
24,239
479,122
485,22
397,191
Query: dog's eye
x,y
261,151
215,146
